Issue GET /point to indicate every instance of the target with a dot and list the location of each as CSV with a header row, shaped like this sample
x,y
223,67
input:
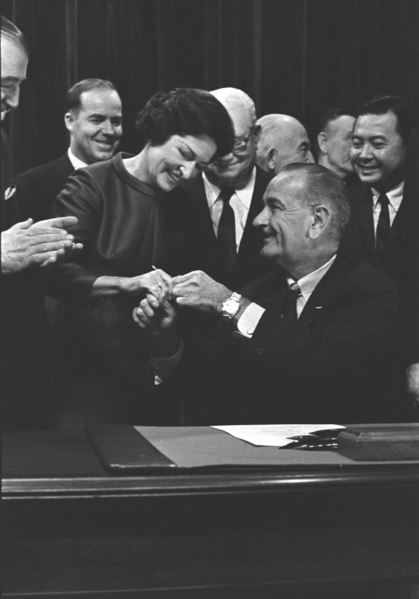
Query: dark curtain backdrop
x,y
292,56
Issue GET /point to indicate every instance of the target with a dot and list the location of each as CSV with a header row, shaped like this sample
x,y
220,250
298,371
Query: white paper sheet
x,y
273,435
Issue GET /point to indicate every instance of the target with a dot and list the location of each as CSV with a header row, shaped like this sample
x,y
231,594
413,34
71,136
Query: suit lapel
x,y
362,207
65,166
324,294
402,217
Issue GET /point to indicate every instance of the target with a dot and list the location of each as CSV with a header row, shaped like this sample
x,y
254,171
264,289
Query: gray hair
x,y
10,31
323,187
232,96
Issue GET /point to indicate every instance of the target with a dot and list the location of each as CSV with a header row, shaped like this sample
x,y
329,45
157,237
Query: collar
x,y
76,162
395,196
308,283
245,194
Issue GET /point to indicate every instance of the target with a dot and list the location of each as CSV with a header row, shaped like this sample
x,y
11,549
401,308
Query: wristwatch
x,y
230,307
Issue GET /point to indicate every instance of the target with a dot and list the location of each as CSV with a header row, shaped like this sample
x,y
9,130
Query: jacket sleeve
x,y
81,197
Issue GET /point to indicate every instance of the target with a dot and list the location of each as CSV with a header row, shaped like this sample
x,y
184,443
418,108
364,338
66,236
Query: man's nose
x,y
188,169
12,97
107,128
261,219
365,151
310,158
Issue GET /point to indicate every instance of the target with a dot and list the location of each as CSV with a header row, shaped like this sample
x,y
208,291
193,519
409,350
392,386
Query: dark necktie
x,y
383,226
290,308
226,234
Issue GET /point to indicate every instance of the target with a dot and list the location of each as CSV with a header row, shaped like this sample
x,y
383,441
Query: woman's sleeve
x,y
81,197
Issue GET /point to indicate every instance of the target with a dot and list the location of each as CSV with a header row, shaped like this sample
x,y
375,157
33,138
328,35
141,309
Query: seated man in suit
x,y
312,341
93,119
229,195
334,142
384,223
281,140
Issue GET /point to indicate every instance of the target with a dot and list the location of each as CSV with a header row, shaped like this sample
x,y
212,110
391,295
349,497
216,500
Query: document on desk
x,y
274,435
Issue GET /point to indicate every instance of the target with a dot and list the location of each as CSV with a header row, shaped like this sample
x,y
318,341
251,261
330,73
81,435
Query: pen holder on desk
x,y
380,441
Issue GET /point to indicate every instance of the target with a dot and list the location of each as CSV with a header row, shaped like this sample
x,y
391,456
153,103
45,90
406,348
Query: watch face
x,y
230,307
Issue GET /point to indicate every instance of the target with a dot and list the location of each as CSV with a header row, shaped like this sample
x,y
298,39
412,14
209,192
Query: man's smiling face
x,y
378,152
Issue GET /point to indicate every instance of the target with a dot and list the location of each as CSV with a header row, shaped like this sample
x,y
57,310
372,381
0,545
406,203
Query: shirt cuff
x,y
164,367
249,320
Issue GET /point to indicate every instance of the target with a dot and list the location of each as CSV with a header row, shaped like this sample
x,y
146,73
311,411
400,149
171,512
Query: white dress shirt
x,y
240,202
76,162
395,197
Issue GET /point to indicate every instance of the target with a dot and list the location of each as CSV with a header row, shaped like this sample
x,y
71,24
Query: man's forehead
x,y
98,100
341,124
240,118
283,184
376,124
14,59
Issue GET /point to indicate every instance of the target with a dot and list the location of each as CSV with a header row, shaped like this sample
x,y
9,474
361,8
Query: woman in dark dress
x,y
134,228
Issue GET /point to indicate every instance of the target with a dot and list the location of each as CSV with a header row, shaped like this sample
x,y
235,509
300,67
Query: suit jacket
x,y
334,365
36,190
399,258
27,360
249,264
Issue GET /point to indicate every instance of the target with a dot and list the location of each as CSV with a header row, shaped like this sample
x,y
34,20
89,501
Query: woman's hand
x,y
159,321
156,282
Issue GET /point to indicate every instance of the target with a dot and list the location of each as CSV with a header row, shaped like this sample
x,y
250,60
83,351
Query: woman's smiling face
x,y
178,159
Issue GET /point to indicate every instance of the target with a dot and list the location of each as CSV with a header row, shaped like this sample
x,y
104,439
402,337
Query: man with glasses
x,y
229,193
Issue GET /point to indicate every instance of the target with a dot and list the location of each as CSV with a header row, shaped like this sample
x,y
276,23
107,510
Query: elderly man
x,y
24,244
24,247
93,119
281,140
229,195
310,342
384,222
334,142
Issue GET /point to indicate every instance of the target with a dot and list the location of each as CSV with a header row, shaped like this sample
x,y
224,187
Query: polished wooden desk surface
x,y
73,530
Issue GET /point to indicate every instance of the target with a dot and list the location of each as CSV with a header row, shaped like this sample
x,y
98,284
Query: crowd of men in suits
x,y
305,307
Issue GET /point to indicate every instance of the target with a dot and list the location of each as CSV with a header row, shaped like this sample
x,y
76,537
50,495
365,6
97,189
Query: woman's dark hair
x,y
186,111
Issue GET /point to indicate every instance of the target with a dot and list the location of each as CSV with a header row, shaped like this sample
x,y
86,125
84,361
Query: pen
x,y
312,442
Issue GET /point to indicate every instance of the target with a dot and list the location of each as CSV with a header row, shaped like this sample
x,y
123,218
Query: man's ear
x,y
256,131
322,142
320,218
271,160
68,121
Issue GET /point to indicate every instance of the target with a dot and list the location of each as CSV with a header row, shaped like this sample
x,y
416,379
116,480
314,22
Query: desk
x,y
70,530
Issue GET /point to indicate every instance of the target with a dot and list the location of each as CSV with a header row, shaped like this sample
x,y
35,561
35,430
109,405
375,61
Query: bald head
x,y
281,140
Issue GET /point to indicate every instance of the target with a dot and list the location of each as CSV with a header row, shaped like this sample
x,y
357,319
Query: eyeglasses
x,y
240,143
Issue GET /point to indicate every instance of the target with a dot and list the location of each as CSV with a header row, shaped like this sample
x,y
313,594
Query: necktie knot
x,y
225,194
383,200
294,289
290,308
